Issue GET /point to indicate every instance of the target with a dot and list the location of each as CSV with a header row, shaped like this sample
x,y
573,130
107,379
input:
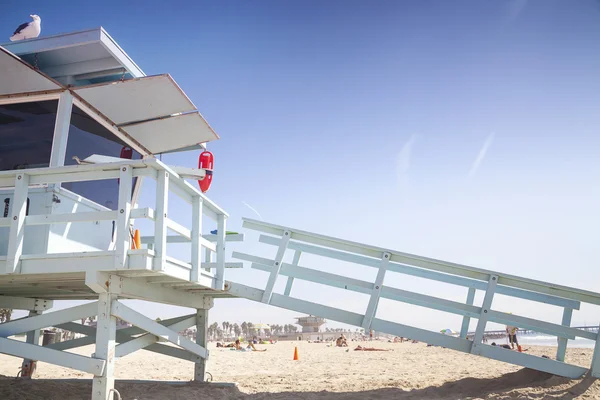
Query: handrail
x,y
20,181
428,263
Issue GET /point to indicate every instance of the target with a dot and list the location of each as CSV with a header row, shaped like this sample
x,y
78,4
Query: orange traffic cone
x,y
296,358
137,239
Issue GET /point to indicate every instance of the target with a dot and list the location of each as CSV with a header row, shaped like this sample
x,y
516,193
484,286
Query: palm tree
x,y
237,330
244,328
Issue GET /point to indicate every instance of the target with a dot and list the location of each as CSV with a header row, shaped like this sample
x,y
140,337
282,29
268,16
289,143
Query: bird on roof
x,y
28,30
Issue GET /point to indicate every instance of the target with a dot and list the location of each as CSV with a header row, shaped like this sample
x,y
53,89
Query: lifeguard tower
x,y
80,125
310,324
71,107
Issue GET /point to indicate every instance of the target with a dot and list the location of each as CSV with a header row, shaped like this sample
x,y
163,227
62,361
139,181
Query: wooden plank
x,y
376,293
290,280
122,311
17,225
46,219
160,224
485,311
104,381
220,250
424,273
428,263
466,319
562,342
49,319
529,361
196,235
276,266
123,235
25,350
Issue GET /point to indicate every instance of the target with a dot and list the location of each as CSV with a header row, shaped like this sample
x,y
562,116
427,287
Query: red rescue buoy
x,y
126,152
206,161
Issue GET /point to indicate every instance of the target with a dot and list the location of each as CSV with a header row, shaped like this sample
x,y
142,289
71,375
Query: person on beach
x,y
238,346
512,335
360,348
341,341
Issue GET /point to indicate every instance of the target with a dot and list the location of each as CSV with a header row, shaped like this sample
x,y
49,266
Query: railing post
x,y
17,225
160,222
483,317
466,319
276,267
208,257
123,237
221,232
197,205
562,342
290,280
376,293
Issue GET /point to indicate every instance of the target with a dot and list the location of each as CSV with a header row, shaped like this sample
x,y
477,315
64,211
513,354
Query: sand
x,y
410,371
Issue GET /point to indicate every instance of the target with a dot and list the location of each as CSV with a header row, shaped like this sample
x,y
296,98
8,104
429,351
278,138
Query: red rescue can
x,y
206,161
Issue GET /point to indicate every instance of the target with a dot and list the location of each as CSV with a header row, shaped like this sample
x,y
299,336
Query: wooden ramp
x,y
389,261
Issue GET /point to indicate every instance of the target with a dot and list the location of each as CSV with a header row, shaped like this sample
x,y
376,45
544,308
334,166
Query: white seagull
x,y
28,30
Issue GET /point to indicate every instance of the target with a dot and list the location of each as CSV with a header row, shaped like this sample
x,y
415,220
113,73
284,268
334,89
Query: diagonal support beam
x,y
290,280
30,351
276,267
483,318
135,344
49,319
133,317
466,319
376,292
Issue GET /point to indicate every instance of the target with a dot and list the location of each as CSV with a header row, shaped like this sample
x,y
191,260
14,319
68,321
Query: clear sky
x,y
460,130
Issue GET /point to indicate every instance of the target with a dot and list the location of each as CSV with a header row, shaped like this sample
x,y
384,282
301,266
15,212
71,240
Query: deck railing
x,y
168,181
385,260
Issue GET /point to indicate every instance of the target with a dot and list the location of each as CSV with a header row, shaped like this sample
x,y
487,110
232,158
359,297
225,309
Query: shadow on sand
x,y
544,385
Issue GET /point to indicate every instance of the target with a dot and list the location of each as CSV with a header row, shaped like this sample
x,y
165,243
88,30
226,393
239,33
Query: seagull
x,y
28,30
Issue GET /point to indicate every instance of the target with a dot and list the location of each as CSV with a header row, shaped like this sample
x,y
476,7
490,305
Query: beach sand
x,y
410,371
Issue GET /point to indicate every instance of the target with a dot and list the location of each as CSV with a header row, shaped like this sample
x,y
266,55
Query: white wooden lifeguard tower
x,y
65,232
68,105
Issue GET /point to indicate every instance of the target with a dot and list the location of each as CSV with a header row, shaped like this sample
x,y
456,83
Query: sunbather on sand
x,y
360,348
238,346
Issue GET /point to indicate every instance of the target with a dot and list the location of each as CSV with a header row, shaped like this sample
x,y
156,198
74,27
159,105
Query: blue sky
x,y
464,130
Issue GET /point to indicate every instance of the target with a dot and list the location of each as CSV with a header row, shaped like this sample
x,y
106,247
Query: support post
x,y
197,205
266,298
376,292
221,232
123,237
17,225
466,320
595,370
562,342
201,339
104,382
61,129
160,224
290,280
33,337
483,317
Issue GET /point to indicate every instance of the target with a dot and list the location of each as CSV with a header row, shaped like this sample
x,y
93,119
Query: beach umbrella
x,y
449,332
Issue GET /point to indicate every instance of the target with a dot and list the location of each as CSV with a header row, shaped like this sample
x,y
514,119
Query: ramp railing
x,y
18,183
391,261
